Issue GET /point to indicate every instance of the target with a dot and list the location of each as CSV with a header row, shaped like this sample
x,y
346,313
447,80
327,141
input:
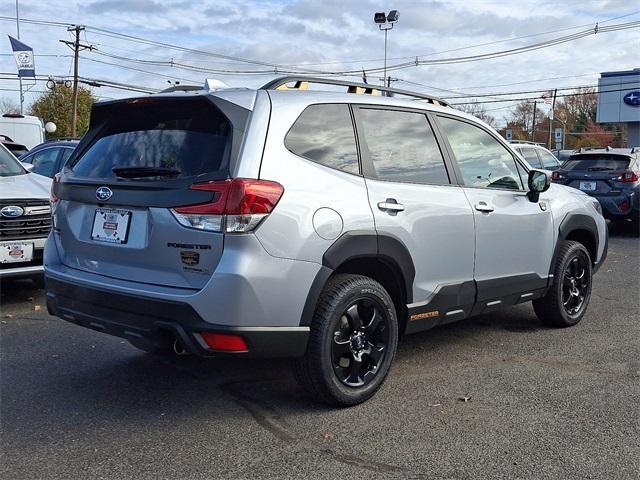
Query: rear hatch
x,y
137,162
595,174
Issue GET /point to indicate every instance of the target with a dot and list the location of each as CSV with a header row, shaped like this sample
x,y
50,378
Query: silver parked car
x,y
25,219
316,225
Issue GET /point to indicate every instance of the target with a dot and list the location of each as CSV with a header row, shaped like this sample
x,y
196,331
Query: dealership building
x,y
619,101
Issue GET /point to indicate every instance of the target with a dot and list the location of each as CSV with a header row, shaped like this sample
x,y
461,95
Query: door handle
x,y
483,207
391,205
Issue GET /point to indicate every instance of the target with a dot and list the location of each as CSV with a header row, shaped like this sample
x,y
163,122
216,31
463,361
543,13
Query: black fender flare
x,y
570,223
354,245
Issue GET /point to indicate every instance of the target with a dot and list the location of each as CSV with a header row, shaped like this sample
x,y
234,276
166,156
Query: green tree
x,y
56,106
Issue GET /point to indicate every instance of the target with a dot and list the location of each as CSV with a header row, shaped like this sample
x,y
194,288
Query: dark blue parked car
x,y
48,158
612,175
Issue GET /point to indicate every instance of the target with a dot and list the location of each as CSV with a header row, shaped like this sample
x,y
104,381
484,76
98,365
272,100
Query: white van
x,y
24,129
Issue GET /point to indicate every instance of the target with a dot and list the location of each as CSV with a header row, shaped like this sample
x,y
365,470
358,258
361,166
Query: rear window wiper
x,y
139,172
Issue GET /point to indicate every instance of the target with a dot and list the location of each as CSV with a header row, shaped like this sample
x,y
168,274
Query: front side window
x,y
9,166
402,147
324,134
483,161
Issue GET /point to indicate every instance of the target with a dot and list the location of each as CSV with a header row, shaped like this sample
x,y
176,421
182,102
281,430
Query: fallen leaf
x,y
37,308
328,435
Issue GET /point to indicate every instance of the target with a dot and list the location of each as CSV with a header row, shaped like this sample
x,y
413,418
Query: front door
x,y
514,236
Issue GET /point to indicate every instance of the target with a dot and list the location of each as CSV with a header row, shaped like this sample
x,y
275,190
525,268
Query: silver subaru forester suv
x,y
317,225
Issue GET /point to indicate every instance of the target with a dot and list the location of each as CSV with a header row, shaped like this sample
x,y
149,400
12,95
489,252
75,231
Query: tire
x,y
566,302
352,342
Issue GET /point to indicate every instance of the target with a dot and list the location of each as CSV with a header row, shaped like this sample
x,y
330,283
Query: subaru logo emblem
x,y
632,99
103,193
12,211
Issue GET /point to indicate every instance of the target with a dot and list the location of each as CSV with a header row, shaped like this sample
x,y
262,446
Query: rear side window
x,y
324,134
548,160
595,163
483,161
178,138
402,147
45,162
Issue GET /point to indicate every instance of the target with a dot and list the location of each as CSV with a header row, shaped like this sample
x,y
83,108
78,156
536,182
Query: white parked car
x,y
25,218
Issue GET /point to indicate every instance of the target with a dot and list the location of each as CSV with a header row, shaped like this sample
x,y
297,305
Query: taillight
x,y
53,198
238,205
225,342
556,176
627,177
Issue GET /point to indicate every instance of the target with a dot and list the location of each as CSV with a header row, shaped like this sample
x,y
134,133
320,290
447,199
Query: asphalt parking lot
x,y
543,403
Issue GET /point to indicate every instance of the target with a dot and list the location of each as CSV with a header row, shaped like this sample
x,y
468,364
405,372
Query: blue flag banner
x,y
24,58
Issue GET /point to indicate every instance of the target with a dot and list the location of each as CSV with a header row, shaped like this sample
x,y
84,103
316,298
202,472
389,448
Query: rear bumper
x,y
611,210
152,321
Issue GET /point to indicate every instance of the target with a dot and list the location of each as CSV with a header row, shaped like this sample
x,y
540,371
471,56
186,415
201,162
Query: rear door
x,y
138,161
414,200
514,236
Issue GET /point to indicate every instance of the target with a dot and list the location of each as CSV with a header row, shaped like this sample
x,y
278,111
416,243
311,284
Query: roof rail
x,y
62,139
526,142
302,83
6,138
586,149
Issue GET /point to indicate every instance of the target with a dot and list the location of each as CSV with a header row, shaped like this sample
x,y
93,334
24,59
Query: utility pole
x,y
533,122
76,46
553,107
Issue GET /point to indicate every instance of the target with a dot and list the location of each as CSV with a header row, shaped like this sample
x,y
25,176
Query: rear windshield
x,y
594,163
9,166
166,138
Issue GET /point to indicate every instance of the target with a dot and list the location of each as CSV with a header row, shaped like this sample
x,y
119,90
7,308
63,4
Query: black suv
x,y
612,175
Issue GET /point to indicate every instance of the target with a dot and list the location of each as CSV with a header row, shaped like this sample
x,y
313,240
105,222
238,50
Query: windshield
x,y
596,163
9,166
151,141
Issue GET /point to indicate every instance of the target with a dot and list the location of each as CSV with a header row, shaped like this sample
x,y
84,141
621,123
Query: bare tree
x,y
478,110
8,106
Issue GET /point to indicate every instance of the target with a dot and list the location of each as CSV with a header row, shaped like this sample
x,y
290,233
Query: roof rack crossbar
x,y
302,83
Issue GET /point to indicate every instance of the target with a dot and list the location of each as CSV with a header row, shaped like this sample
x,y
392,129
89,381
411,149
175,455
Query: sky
x,y
327,35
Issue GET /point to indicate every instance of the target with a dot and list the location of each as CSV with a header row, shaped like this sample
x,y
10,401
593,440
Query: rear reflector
x,y
237,206
225,342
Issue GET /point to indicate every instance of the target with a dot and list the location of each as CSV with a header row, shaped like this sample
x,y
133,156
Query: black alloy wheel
x,y
360,342
575,285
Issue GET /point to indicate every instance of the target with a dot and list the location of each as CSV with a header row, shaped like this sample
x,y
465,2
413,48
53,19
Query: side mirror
x,y
28,166
538,182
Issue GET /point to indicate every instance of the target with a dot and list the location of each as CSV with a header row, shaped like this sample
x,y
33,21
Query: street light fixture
x,y
385,23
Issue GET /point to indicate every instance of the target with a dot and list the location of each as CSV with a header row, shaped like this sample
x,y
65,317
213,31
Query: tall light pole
x,y
19,77
385,23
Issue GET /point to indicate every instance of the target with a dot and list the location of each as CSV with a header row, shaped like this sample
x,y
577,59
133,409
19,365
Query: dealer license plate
x,y
12,252
111,225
